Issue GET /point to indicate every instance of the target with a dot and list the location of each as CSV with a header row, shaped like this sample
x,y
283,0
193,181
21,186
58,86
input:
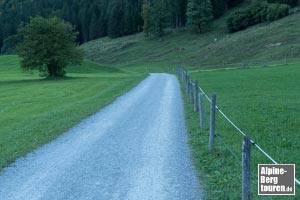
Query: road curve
x,y
135,148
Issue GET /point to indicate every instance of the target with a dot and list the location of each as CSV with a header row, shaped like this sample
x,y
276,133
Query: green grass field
x,y
263,102
33,110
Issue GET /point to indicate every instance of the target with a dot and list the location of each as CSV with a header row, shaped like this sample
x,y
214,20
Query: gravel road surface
x,y
135,148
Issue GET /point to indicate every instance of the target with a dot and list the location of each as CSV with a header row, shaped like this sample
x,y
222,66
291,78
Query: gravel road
x,y
135,148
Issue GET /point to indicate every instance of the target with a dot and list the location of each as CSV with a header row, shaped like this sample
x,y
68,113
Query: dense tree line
x,y
97,18
115,18
92,18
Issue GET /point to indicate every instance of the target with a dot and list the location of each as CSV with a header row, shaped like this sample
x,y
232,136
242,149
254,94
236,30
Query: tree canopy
x,y
199,14
48,45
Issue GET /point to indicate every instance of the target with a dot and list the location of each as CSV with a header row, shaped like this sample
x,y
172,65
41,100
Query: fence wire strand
x,y
238,129
228,147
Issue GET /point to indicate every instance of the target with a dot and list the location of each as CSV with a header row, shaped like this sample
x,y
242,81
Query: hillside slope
x,y
264,43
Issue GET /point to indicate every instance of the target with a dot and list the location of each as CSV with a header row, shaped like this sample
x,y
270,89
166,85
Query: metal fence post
x,y
212,122
201,109
196,97
246,173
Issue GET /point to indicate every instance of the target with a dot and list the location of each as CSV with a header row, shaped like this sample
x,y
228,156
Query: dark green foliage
x,y
94,27
115,20
160,17
221,6
256,13
233,3
48,45
156,16
177,9
9,44
90,17
193,14
289,2
277,11
242,19
146,14
199,15
1,40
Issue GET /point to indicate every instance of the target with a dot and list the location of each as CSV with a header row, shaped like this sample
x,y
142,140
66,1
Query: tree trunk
x,y
52,71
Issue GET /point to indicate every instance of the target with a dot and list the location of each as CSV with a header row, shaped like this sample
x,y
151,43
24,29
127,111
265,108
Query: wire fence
x,y
192,90
291,57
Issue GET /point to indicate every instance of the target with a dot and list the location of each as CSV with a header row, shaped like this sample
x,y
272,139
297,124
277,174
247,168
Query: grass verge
x,y
34,111
264,102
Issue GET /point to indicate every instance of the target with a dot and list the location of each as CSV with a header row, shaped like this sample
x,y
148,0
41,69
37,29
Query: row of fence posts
x,y
197,99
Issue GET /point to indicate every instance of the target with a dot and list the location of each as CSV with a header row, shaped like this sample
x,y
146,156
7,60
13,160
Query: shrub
x,y
277,11
256,13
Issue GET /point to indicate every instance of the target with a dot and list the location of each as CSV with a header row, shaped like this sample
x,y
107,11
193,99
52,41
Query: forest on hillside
x,y
95,18
114,18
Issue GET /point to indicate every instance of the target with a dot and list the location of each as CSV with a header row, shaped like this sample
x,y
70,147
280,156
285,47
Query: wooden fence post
x,y
188,84
201,110
191,92
186,80
285,58
246,173
212,122
196,96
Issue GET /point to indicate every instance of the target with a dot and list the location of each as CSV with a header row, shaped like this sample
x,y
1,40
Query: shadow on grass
x,y
40,80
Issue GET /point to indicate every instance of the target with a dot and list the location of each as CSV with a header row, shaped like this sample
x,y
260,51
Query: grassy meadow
x,y
34,111
264,103
267,42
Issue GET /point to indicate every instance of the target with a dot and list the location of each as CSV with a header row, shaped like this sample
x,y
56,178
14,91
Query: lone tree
x,y
48,45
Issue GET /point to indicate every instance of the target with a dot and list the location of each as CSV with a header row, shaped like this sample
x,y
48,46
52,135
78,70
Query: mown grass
x,y
263,102
34,111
